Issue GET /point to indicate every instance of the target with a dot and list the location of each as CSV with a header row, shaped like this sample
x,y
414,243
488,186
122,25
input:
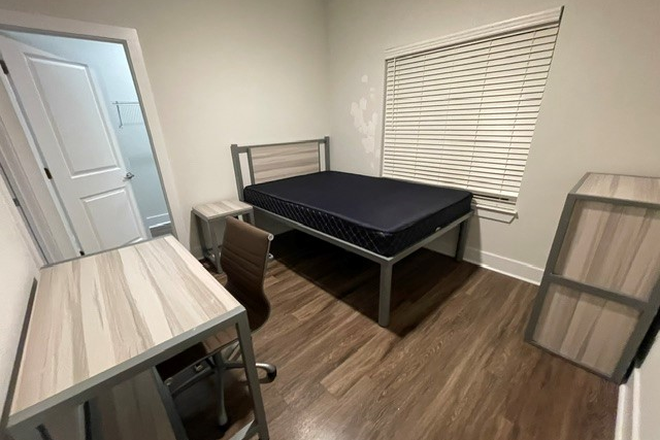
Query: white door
x,y
70,124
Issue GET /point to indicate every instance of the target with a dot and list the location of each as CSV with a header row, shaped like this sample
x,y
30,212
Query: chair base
x,y
217,365
270,369
223,418
222,366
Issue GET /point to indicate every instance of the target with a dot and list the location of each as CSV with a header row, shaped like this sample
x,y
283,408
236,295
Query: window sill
x,y
496,214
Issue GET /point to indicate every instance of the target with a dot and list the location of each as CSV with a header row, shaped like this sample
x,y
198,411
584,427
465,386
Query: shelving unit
x,y
601,285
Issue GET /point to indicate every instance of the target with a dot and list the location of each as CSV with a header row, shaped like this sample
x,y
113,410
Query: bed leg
x,y
462,240
385,294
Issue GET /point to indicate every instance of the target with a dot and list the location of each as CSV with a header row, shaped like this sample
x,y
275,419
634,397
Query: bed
x,y
381,219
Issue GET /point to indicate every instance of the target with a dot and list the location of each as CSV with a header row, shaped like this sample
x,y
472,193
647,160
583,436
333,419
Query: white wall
x,y
258,71
18,267
222,72
599,113
110,67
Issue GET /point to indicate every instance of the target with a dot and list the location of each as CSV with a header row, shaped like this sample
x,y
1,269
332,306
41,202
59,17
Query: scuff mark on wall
x,y
366,121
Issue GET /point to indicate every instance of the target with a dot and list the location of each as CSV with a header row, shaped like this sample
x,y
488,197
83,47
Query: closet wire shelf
x,y
129,113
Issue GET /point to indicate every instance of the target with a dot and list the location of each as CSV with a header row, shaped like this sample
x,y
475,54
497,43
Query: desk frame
x,y
24,423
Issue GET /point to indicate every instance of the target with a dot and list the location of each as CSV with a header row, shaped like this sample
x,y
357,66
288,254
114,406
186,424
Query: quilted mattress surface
x,y
382,215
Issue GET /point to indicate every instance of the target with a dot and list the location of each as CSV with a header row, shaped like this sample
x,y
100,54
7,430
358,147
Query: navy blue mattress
x,y
382,215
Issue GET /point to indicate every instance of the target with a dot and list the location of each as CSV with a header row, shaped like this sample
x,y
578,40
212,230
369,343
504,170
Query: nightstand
x,y
209,214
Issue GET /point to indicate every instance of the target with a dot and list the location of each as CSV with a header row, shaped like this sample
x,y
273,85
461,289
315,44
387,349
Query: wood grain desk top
x,y
224,208
615,186
98,316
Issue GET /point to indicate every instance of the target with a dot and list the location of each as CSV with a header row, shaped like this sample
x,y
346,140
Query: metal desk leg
x,y
249,217
245,339
385,294
170,407
462,240
87,416
200,234
43,433
215,250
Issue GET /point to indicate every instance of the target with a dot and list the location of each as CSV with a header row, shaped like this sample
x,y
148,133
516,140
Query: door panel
x,y
69,121
54,80
113,218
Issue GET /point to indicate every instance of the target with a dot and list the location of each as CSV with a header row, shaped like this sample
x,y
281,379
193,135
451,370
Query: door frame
x,y
23,170
128,38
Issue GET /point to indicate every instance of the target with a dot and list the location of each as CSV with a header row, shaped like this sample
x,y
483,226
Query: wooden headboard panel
x,y
263,163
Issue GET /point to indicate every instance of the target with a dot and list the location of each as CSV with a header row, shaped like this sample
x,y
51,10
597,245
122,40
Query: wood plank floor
x,y
453,365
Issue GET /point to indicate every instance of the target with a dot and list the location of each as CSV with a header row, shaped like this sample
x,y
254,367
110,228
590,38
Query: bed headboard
x,y
263,163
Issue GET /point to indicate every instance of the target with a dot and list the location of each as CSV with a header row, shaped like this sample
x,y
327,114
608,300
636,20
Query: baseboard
x,y
628,409
504,265
158,219
497,263
624,415
446,245
161,229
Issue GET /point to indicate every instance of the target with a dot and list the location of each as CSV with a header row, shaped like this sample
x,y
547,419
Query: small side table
x,y
208,214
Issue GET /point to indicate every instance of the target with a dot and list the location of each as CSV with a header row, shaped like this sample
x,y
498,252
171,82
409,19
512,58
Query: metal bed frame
x,y
386,263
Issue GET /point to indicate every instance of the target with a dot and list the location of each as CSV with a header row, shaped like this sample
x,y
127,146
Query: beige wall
x,y
18,267
599,113
227,72
222,72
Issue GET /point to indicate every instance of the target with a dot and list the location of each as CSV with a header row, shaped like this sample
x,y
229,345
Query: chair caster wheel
x,y
224,426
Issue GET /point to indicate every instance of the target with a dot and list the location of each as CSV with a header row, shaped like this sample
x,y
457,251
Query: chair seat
x,y
219,340
195,354
181,361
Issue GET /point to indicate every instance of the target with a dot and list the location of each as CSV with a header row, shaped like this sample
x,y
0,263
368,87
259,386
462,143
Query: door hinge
x,y
5,69
48,174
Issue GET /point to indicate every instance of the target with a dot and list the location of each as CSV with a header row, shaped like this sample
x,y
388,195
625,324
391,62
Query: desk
x,y
100,320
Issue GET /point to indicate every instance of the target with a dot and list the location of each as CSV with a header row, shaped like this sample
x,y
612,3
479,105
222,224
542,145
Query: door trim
x,y
43,24
24,171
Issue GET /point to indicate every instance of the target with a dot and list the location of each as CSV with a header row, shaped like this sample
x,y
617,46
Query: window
x,y
461,111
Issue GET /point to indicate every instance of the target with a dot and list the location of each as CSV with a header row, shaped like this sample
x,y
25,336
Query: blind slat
x,y
476,76
501,59
478,44
476,50
534,61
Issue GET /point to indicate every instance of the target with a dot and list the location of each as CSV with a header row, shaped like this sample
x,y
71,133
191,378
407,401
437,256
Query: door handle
x,y
129,176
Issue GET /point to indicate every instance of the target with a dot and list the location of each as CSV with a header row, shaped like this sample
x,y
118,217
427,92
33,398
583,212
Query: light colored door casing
x,y
68,120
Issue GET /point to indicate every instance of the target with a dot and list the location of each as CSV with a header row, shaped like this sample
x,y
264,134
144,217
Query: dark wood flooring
x,y
453,365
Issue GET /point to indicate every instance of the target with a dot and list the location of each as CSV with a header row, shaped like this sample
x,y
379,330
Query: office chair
x,y
243,259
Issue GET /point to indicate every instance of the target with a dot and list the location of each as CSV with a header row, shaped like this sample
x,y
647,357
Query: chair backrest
x,y
244,258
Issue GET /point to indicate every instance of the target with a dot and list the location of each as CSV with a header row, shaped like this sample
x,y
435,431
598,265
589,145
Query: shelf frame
x,y
647,309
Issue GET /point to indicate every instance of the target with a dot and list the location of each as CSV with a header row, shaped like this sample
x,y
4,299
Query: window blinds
x,y
463,114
